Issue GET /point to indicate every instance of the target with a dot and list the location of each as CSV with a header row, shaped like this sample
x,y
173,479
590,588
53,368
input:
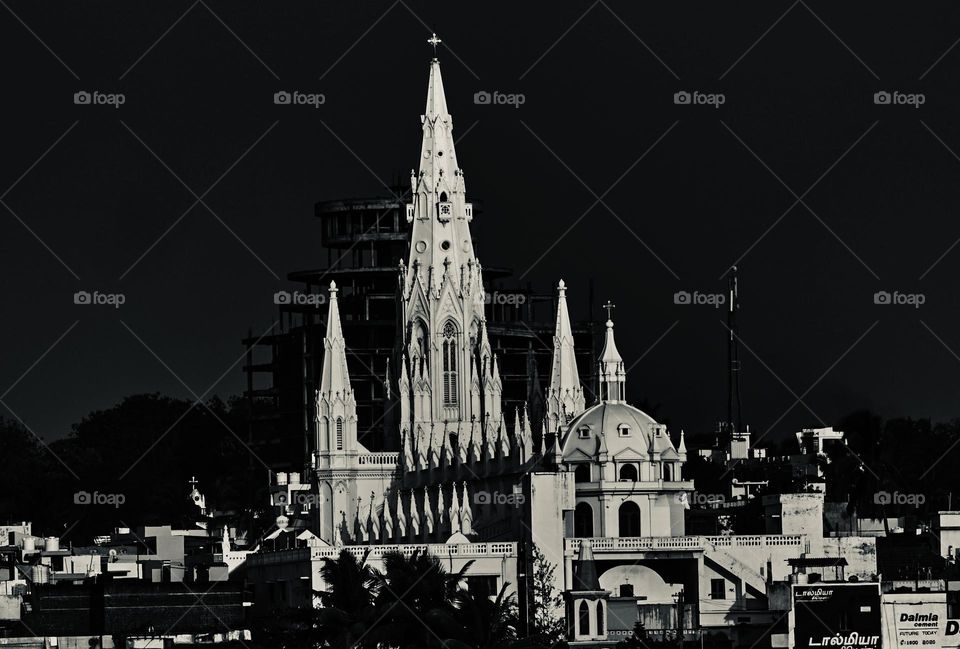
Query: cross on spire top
x,y
433,40
193,481
609,306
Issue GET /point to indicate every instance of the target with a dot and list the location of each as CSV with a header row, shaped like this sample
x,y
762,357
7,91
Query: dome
x,y
613,427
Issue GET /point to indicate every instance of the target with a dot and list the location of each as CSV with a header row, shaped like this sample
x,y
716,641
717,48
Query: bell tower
x,y
449,376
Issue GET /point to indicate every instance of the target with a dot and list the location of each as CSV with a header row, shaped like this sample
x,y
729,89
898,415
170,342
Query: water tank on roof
x,y
281,478
294,477
51,544
29,544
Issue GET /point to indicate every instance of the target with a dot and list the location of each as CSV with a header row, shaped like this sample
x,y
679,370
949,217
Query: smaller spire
x,y
585,576
612,374
564,394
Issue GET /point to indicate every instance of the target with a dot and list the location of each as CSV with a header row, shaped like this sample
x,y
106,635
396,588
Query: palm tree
x,y
347,615
415,601
486,623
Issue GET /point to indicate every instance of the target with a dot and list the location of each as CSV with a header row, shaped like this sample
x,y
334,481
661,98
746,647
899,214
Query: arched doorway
x,y
629,519
583,521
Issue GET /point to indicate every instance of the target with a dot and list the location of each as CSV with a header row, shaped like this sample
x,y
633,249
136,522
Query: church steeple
x,y
335,378
565,394
336,421
443,298
612,375
439,212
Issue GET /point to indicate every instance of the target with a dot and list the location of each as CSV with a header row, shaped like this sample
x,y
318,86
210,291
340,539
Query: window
x,y
626,590
583,433
482,585
449,354
584,621
582,473
583,521
628,473
629,519
718,589
624,430
668,472
339,433
599,617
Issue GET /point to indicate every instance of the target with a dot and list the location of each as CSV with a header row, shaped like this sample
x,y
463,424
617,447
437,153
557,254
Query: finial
x,y
333,288
562,287
433,40
609,306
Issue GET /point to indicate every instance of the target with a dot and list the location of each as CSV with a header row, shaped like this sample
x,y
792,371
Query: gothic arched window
x,y
584,618
628,473
339,433
448,349
629,519
583,521
599,617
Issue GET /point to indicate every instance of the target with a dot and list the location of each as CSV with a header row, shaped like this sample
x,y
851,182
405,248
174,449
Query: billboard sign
x,y
836,615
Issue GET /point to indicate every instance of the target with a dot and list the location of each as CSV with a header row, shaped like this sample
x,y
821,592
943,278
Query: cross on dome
x,y
433,40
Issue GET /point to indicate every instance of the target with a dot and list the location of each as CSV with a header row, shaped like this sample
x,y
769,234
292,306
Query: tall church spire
x,y
565,394
443,298
439,212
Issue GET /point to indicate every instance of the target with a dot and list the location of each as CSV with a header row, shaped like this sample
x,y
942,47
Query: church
x,y
596,489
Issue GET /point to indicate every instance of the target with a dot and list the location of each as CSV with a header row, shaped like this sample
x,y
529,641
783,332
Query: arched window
x,y
339,433
599,617
668,472
325,432
443,197
584,618
628,472
629,519
583,521
582,473
448,350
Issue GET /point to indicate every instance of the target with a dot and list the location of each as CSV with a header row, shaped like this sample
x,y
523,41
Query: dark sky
x,y
598,81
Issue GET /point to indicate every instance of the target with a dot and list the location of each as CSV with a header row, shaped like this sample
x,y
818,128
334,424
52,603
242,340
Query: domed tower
x,y
628,475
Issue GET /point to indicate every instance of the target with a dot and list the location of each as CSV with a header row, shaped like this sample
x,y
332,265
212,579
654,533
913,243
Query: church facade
x,y
600,493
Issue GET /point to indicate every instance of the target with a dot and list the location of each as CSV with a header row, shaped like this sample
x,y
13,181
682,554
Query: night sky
x,y
692,188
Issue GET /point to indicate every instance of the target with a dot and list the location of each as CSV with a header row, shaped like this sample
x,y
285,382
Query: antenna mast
x,y
734,423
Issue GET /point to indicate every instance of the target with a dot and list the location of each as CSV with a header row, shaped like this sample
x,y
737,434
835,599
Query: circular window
x,y
445,245
439,154
421,246
426,154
